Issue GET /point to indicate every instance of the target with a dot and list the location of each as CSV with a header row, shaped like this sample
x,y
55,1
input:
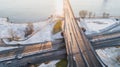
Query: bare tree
x,y
90,14
14,37
94,15
106,15
57,27
83,13
29,29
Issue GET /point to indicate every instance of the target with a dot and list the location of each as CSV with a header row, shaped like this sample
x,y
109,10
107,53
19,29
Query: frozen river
x,y
35,10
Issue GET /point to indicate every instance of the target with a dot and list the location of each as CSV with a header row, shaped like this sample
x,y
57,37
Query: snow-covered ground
x,y
57,36
50,64
110,56
4,21
6,48
43,35
18,29
96,25
42,32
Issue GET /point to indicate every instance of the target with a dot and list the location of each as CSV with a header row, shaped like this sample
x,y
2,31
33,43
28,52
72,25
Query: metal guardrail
x,y
22,51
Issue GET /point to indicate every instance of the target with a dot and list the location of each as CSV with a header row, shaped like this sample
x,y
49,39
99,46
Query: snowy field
x,y
42,32
50,64
110,56
96,25
6,48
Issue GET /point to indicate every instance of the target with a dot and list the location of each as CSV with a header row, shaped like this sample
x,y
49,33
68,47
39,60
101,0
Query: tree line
x,y
86,14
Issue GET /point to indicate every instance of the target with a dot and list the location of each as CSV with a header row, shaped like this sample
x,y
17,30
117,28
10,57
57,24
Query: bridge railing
x,y
37,47
21,51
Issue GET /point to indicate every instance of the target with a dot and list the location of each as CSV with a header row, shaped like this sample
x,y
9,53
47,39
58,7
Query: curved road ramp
x,y
23,56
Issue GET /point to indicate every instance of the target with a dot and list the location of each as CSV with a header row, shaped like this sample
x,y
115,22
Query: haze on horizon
x,y
35,10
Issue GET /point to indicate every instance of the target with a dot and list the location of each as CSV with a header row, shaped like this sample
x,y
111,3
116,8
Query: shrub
x,y
14,37
62,63
29,29
58,27
83,14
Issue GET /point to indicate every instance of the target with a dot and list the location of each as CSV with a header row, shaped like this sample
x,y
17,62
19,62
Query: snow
x,y
109,56
6,48
50,64
18,28
42,32
57,36
95,25
6,30
41,36
4,21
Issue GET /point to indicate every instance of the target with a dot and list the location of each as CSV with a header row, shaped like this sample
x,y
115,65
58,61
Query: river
x,y
36,10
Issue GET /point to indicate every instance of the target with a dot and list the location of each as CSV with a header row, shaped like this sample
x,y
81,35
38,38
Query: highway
x,y
37,58
79,50
105,40
104,35
104,43
36,53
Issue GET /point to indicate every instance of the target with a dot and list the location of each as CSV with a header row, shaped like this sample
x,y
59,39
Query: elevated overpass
x,y
79,50
22,56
